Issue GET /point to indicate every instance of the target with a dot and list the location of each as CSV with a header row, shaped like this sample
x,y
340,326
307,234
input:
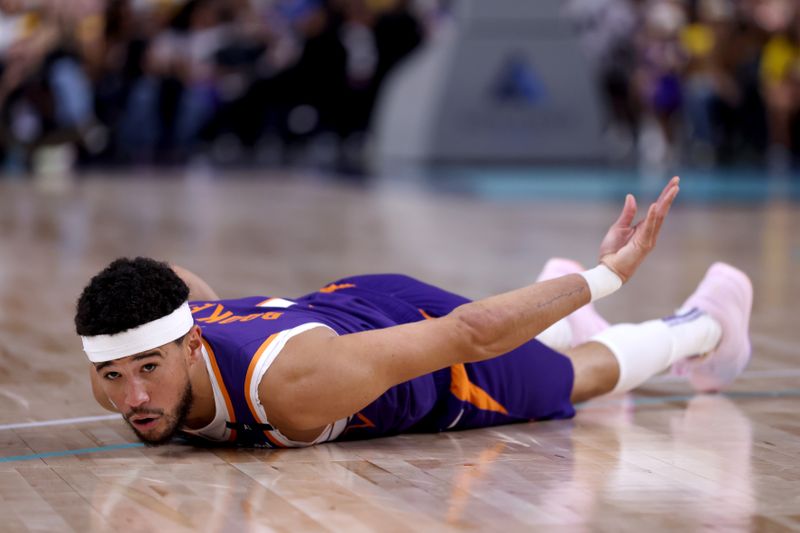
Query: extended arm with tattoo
x,y
320,377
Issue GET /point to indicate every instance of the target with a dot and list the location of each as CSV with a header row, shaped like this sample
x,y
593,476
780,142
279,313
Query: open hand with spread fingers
x,y
626,245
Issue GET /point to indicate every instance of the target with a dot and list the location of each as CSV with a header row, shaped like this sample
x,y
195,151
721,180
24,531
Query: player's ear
x,y
194,345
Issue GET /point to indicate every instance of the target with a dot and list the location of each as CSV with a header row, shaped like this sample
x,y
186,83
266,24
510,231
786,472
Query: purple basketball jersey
x,y
243,337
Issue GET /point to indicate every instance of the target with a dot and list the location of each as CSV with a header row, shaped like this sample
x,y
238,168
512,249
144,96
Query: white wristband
x,y
602,281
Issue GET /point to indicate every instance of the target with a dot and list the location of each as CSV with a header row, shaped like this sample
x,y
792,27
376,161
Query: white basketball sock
x,y
694,332
558,336
643,350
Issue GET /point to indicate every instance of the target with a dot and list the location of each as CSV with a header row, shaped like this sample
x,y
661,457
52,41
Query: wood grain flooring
x,y
659,459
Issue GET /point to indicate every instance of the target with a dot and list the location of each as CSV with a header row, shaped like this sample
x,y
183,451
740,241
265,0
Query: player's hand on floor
x,y
626,245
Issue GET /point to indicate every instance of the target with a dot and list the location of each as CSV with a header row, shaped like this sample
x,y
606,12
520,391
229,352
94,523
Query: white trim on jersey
x,y
269,354
276,302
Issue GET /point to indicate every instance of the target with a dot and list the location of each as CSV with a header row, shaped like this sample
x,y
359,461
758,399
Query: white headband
x,y
102,348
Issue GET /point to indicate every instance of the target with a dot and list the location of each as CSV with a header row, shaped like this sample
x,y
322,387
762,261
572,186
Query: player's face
x,y
152,390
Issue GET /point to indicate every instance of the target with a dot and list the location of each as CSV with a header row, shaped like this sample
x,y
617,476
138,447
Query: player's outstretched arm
x,y
198,288
320,377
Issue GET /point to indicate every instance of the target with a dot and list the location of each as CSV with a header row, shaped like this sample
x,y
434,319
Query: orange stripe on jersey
x,y
265,302
228,405
247,381
466,391
367,423
334,287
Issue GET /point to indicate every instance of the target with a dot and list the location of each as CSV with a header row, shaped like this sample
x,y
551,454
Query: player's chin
x,y
155,432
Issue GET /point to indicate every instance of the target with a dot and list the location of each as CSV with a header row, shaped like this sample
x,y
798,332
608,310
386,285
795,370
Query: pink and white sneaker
x,y
726,294
586,322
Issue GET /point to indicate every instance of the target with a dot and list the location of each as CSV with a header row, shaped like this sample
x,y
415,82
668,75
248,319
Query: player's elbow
x,y
477,329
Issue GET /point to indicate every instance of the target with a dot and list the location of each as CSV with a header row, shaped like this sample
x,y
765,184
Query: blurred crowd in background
x,y
698,82
166,81
110,82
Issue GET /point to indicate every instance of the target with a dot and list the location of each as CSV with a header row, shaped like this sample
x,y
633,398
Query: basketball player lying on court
x,y
378,355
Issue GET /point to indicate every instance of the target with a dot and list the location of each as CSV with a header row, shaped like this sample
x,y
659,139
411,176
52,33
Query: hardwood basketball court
x,y
662,458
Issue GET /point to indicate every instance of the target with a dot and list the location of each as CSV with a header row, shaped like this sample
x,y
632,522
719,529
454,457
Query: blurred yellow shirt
x,y
779,60
697,40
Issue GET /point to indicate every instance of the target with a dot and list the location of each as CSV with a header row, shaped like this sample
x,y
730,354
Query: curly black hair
x,y
127,294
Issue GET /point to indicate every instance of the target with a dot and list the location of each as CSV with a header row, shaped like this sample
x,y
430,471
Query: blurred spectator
x,y
698,81
658,78
164,80
607,30
780,77
710,88
168,81
45,95
724,108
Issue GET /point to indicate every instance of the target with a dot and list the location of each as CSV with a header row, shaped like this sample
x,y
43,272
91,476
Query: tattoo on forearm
x,y
556,298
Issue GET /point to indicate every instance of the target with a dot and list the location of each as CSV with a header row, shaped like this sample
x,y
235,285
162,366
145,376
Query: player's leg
x,y
708,337
596,370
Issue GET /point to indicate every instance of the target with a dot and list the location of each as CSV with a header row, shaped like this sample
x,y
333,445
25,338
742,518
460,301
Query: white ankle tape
x,y
602,281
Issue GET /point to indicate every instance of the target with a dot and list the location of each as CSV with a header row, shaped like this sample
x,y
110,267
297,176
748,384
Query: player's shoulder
x,y
239,309
252,323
